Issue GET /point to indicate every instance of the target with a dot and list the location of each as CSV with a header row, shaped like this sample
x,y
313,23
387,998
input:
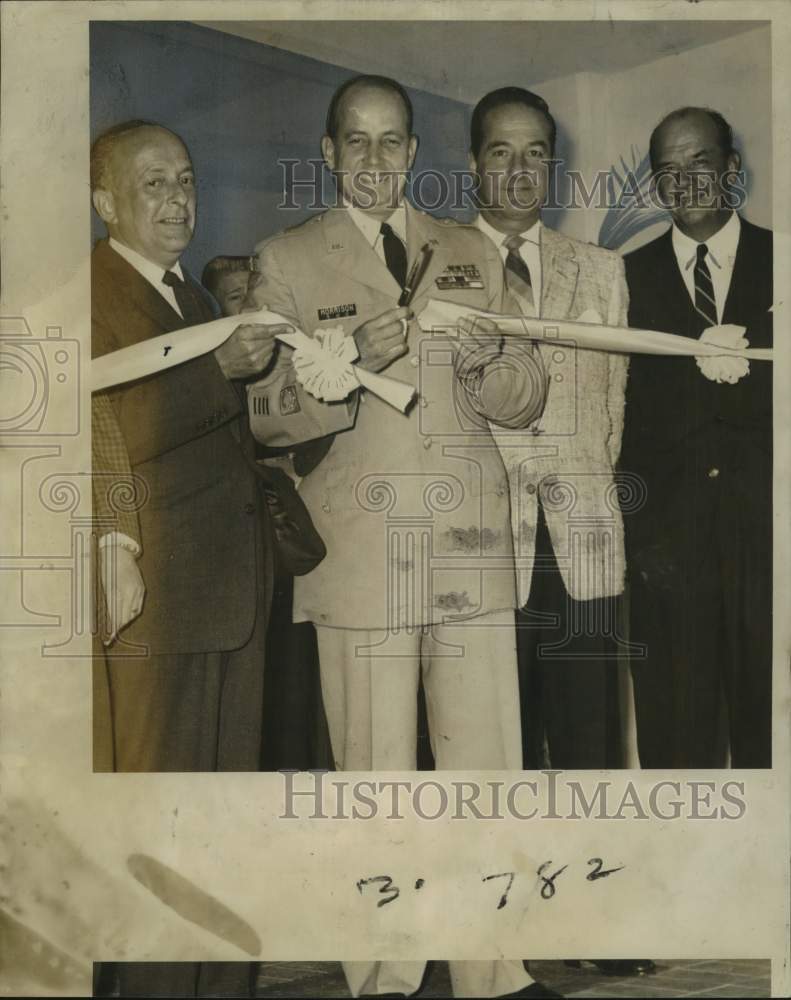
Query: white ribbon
x,y
588,332
323,365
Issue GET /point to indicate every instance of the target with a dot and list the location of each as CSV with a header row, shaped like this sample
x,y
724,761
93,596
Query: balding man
x,y
185,680
699,550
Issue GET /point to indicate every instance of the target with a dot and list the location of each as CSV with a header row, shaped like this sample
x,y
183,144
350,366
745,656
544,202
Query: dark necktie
x,y
187,300
705,303
517,273
395,254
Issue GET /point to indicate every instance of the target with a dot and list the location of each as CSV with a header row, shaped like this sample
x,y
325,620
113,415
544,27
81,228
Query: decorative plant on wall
x,y
631,207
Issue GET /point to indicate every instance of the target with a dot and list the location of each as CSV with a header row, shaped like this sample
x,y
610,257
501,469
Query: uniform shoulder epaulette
x,y
304,224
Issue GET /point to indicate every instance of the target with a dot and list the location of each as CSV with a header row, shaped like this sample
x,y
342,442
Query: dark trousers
x,y
295,734
568,671
182,712
176,979
701,604
187,712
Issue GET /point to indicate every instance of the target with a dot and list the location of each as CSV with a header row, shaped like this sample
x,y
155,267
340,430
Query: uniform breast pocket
x,y
460,277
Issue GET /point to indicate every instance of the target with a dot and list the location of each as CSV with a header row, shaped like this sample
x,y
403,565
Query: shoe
x,y
536,991
618,966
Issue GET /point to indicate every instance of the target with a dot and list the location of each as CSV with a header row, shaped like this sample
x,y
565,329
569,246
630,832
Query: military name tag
x,y
338,312
457,277
289,400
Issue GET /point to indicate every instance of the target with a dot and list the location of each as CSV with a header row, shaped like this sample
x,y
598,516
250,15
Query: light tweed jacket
x,y
567,456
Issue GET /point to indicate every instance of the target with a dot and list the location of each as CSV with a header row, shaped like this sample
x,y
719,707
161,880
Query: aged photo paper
x,y
270,866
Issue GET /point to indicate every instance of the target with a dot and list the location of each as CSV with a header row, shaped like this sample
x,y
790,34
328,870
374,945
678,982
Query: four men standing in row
x,y
507,460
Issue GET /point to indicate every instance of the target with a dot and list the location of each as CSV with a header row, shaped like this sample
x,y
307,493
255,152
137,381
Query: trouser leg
x,y
746,573
676,614
568,670
473,710
369,684
472,693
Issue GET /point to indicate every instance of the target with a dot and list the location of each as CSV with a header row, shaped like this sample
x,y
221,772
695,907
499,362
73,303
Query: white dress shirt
x,y
530,252
370,227
153,273
720,259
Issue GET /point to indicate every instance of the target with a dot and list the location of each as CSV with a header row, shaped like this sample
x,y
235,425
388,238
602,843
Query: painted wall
x,y
612,115
733,76
240,106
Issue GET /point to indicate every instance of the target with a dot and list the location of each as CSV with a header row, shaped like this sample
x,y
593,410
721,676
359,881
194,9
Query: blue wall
x,y
239,106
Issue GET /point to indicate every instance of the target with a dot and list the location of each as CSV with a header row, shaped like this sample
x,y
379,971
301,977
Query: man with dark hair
x,y
508,97
566,523
413,508
567,670
700,548
184,682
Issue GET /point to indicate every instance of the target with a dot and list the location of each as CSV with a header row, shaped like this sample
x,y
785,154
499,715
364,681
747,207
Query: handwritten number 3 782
x,y
390,892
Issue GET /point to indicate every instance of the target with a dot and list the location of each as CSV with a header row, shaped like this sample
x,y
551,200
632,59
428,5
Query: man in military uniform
x,y
413,508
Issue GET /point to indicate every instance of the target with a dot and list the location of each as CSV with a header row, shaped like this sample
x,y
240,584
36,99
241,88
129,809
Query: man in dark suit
x,y
185,681
699,548
193,702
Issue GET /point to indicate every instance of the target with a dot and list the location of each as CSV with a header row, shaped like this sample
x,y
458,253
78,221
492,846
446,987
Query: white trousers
x,y
369,682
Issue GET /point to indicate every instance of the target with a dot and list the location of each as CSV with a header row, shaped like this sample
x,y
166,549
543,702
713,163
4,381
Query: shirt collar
x,y
531,235
722,245
370,227
151,272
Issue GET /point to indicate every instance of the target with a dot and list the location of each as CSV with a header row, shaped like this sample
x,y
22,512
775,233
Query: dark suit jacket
x,y
204,527
681,429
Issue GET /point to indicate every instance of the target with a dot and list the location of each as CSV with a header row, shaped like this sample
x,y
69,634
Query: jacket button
x,y
249,508
530,488
423,402
414,361
713,473
558,377
427,442
558,357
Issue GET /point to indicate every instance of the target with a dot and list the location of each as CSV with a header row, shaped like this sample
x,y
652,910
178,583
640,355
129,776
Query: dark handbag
x,y
299,546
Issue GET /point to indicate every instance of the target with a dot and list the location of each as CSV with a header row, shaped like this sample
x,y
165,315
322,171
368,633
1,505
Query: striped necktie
x,y
705,303
517,273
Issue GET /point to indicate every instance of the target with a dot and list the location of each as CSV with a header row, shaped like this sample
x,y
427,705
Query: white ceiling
x,y
464,59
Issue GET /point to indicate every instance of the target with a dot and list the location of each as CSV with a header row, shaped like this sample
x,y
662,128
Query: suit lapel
x,y
742,276
349,253
559,274
145,297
